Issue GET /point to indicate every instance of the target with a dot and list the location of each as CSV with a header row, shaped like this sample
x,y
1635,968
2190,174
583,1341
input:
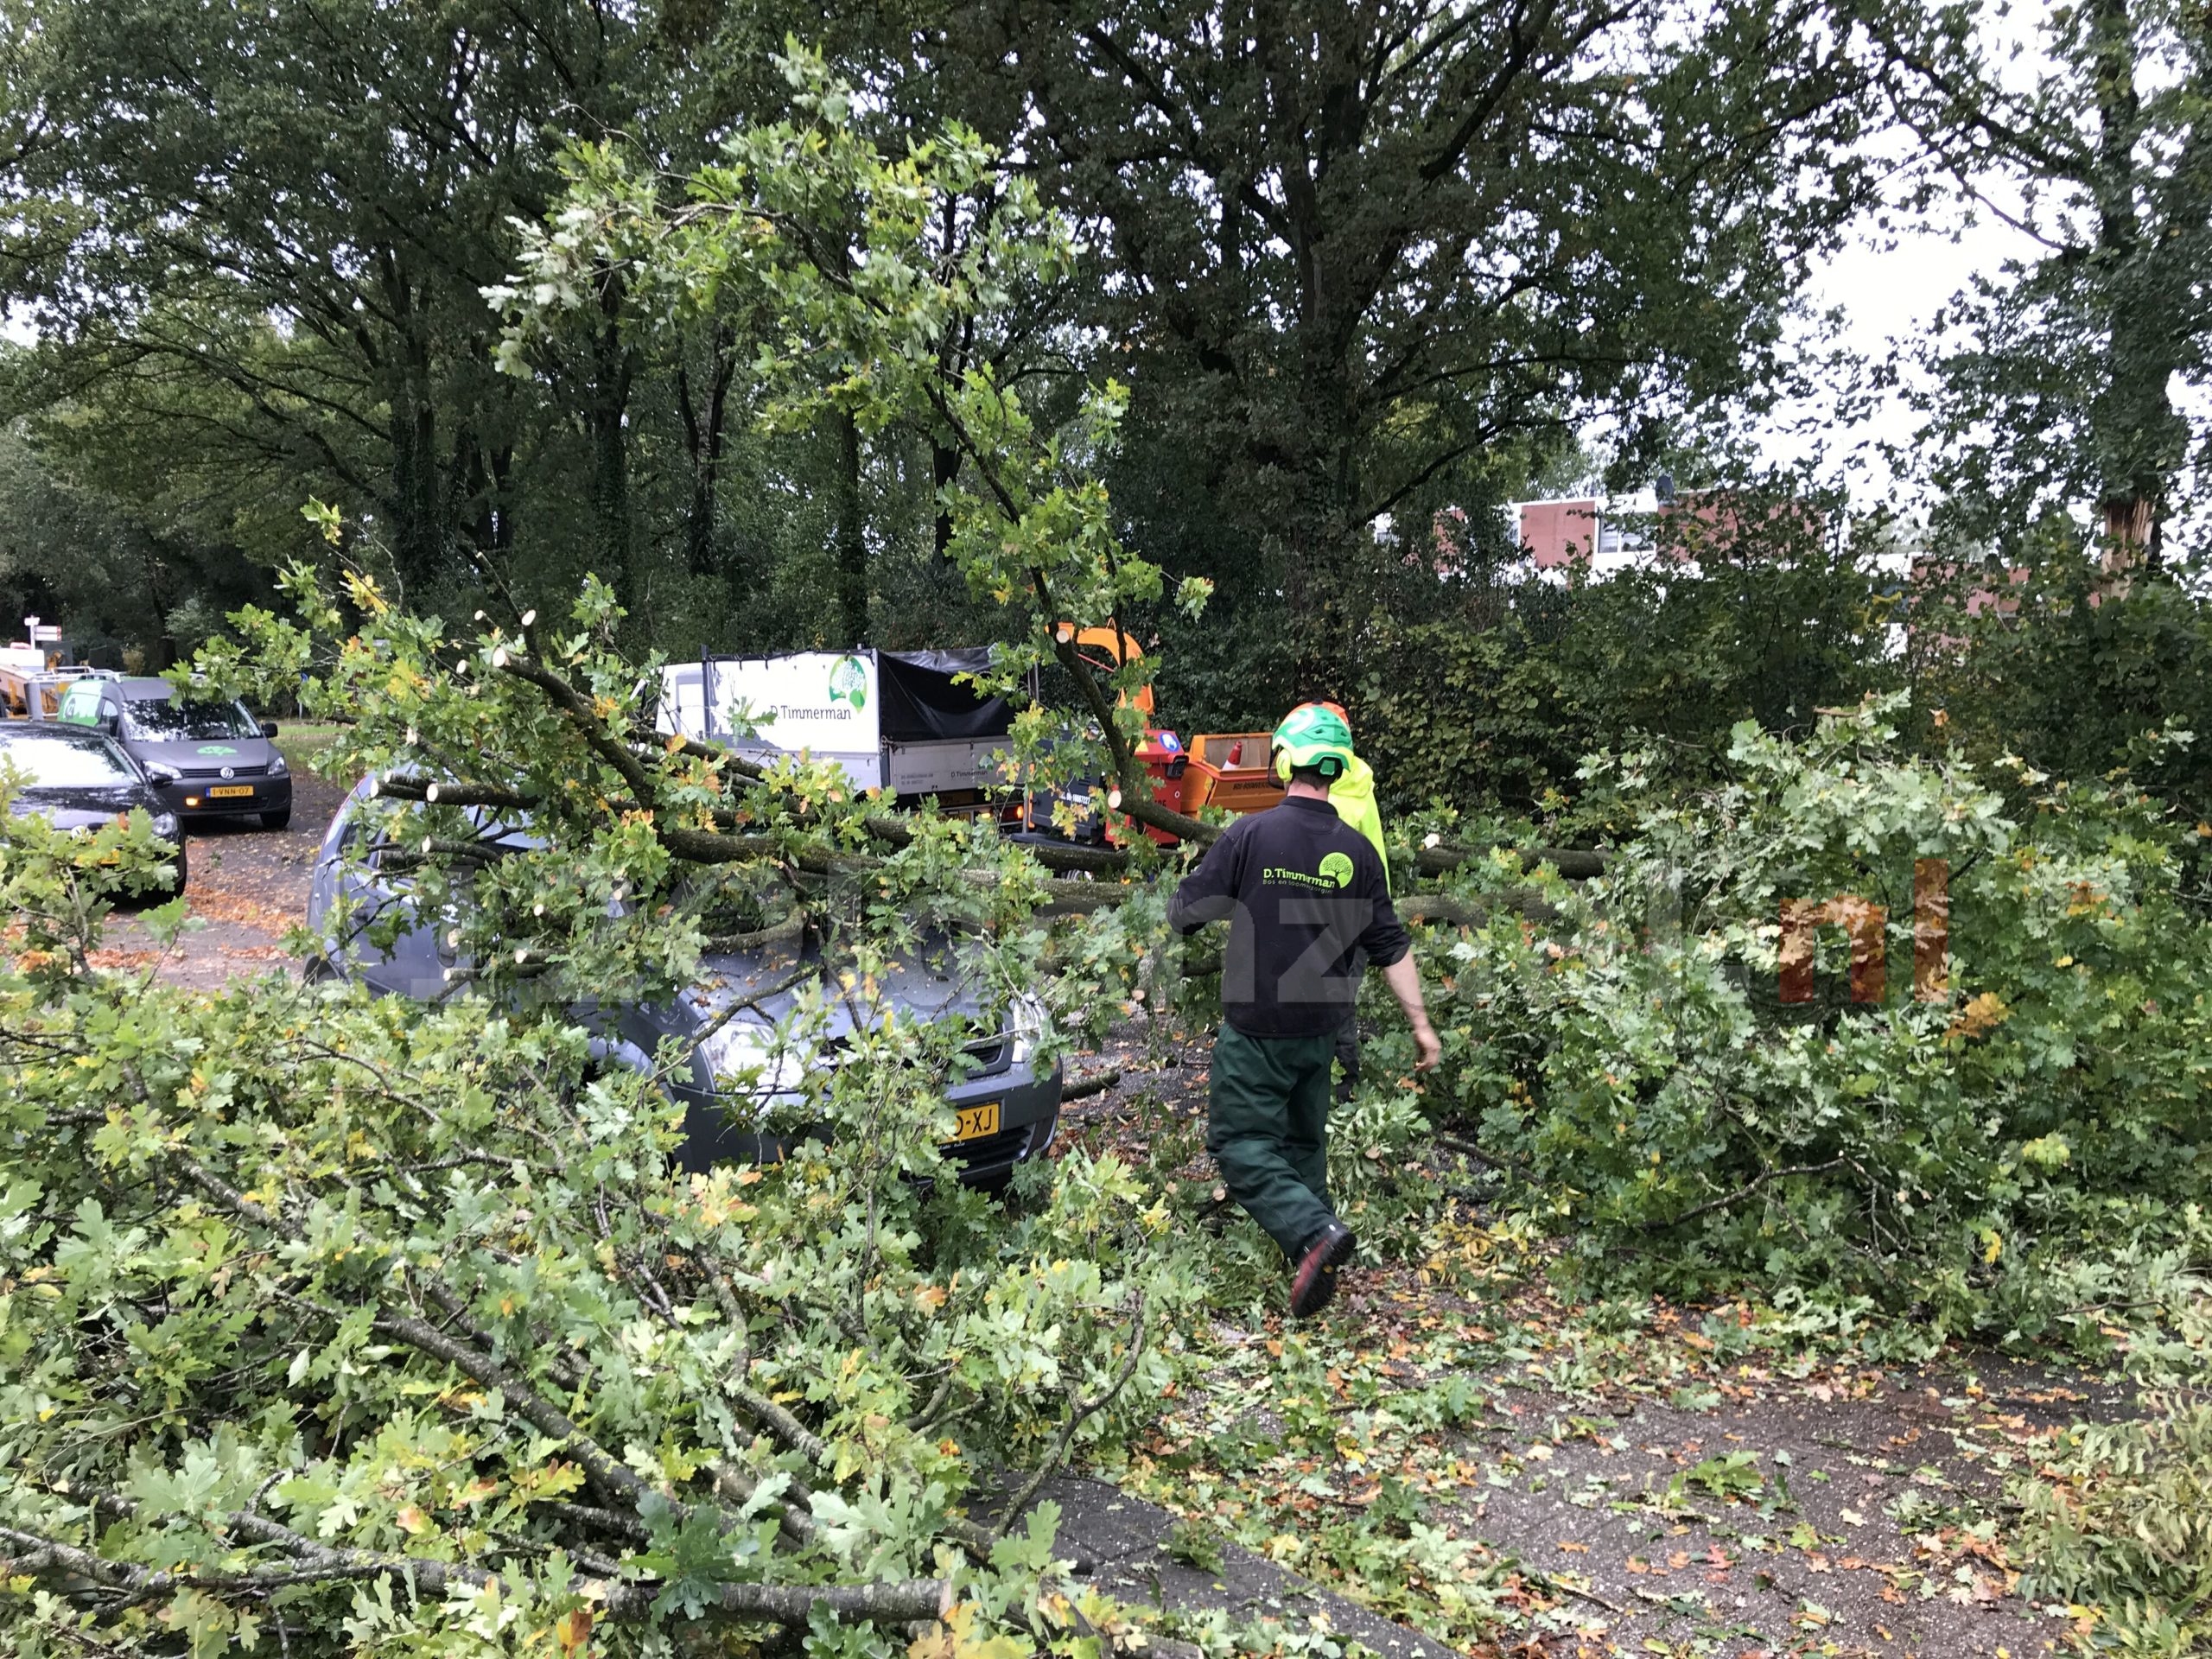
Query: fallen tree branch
x,y
891,1601
691,749
1417,909
607,1472
1574,863
795,1521
1490,1160
1744,1191
1094,1082
779,1422
402,786
1080,898
1077,1416
787,931
1073,856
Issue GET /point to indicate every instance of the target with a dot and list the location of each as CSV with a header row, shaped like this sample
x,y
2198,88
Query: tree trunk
x,y
944,467
418,547
606,426
2140,439
703,431
610,466
851,533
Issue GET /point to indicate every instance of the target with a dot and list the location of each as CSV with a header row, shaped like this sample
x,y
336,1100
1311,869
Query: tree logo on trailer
x,y
848,682
1338,867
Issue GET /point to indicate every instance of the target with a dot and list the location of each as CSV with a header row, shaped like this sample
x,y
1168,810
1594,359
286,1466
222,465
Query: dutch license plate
x,y
227,791
976,1121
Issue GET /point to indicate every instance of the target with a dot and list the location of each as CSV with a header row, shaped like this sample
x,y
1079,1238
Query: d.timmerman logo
x,y
1329,881
1866,924
848,682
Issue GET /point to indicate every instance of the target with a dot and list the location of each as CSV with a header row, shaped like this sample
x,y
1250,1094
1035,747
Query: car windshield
x,y
63,763
176,722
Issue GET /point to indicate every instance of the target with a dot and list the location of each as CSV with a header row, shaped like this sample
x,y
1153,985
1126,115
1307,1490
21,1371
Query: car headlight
x,y
159,774
755,1062
1027,1024
278,766
165,825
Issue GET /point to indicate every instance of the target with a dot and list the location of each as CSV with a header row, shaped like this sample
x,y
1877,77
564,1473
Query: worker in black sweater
x,y
1304,893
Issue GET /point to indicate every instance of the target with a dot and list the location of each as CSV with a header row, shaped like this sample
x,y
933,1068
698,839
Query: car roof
x,y
146,691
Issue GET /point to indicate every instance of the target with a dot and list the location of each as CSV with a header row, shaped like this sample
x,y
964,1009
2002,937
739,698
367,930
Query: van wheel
x,y
276,820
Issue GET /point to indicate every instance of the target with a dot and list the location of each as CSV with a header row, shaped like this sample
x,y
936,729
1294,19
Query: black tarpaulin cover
x,y
921,701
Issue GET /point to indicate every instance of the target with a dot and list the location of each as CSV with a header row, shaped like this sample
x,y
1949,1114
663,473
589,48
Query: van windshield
x,y
180,722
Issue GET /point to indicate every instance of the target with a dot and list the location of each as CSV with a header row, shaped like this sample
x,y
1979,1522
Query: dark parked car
x,y
1008,1105
208,757
81,780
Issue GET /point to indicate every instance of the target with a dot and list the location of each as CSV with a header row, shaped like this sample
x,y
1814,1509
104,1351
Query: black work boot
x,y
1315,1279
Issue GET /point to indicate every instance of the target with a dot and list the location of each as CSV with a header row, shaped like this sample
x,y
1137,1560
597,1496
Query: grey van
x,y
205,758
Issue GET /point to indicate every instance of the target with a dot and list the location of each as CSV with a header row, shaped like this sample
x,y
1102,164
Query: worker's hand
x,y
1429,1051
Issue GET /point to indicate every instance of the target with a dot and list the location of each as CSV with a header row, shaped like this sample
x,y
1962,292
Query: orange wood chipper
x,y
1228,770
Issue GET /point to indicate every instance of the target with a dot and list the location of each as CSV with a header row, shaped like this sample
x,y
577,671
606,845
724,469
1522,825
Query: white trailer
x,y
896,721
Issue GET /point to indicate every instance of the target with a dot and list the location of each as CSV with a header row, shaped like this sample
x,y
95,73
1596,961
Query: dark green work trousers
x,y
1268,1127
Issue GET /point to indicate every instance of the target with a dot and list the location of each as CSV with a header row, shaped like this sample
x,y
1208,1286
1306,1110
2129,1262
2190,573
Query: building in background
x,y
1610,533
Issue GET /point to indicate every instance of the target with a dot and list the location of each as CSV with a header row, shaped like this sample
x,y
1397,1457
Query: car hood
x,y
239,752
83,808
940,980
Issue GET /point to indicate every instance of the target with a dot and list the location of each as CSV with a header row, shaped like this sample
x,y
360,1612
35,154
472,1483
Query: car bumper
x,y
1029,1115
191,798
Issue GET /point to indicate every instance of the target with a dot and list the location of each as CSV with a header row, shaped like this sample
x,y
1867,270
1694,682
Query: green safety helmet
x,y
1313,734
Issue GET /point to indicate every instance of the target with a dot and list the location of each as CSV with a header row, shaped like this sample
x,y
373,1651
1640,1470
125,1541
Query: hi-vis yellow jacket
x,y
1353,796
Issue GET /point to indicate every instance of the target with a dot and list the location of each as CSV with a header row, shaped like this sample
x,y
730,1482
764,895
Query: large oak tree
x,y
1351,252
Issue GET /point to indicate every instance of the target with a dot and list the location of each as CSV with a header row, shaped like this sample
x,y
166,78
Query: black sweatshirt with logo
x,y
1305,896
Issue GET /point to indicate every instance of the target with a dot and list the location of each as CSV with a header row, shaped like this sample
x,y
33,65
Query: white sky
x,y
1887,289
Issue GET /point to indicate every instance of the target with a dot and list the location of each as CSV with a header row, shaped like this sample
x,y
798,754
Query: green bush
x,y
1501,701
2078,673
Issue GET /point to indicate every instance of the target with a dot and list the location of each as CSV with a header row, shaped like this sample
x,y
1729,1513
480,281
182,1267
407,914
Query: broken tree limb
x,y
788,930
1080,898
1469,1149
606,1472
778,1422
1069,856
1743,1193
34,1554
1078,1414
1419,908
442,792
1574,863
898,831
1095,1082
1433,909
